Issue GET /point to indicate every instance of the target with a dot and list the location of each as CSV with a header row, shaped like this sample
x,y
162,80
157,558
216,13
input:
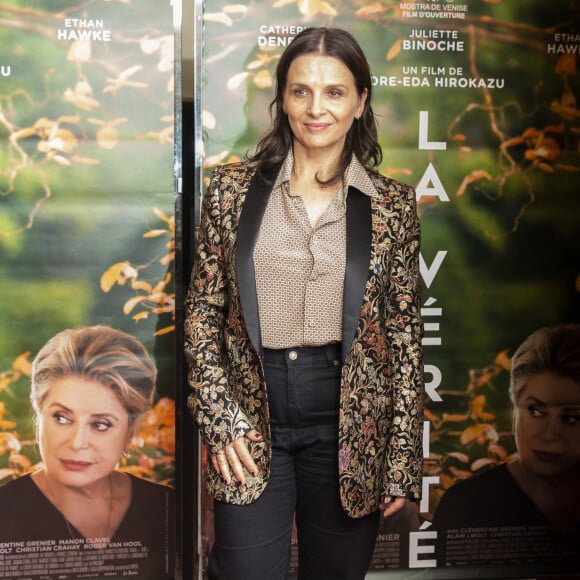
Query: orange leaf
x,y
453,417
132,302
5,383
503,361
155,233
22,365
162,216
484,379
446,481
165,330
313,7
497,450
477,406
464,458
371,10
20,460
460,473
479,433
481,462
236,81
263,80
141,285
395,49
118,273
4,473
430,416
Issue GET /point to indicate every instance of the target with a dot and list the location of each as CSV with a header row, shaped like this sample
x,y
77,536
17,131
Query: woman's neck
x,y
555,497
314,166
63,493
95,511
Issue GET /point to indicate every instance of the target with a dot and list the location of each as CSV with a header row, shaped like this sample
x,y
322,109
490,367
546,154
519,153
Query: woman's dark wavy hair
x,y
361,139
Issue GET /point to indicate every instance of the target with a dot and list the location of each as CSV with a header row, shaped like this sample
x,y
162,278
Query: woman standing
x,y
302,330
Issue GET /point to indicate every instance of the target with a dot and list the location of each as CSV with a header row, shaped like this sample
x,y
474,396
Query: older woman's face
x,y
547,425
321,102
83,429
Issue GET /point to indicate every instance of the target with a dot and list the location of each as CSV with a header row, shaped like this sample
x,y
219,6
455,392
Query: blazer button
x,y
292,355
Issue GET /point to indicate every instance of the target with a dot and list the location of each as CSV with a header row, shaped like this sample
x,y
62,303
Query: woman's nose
x,y
315,107
80,437
552,429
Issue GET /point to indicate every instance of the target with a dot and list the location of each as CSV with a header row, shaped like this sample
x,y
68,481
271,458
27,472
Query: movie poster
x,y
87,240
477,105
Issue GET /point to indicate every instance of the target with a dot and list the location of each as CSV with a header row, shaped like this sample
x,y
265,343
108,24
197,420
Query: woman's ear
x,y
361,104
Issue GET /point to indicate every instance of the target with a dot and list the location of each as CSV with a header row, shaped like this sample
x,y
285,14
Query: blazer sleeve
x,y
404,460
216,412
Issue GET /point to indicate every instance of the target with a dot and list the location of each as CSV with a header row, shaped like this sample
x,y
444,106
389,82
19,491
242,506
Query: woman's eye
x,y
535,411
335,93
570,419
299,92
101,425
60,419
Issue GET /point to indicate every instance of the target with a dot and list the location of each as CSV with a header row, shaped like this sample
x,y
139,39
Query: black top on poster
x,y
36,540
488,519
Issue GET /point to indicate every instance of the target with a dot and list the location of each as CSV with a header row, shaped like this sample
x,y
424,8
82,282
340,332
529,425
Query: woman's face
x,y
321,102
83,429
547,425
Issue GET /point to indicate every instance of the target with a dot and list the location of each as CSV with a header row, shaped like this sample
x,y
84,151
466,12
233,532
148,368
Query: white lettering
x,y
424,142
435,382
427,481
428,273
415,550
430,177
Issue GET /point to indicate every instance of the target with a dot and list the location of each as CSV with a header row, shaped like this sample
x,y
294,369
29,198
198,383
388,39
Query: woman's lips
x,y
316,126
75,465
546,456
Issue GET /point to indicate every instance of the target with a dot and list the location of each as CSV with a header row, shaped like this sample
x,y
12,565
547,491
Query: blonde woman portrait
x,y
90,387
534,497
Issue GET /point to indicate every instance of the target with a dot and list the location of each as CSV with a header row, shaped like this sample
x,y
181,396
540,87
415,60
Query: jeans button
x,y
292,355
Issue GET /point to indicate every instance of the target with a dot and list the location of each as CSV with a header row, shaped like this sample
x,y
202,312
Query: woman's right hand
x,y
230,460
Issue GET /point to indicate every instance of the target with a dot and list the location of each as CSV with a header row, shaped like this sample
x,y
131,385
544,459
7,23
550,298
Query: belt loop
x,y
333,353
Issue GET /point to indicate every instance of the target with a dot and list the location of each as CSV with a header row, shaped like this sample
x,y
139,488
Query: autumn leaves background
x,y
87,227
86,201
504,207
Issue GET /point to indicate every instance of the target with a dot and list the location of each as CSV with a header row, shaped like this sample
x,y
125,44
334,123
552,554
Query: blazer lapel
x,y
253,209
358,254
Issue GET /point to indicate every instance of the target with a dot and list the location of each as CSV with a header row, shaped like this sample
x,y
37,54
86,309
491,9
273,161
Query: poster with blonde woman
x,y
78,514
526,510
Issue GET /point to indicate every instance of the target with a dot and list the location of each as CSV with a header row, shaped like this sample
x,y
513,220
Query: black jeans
x,y
253,541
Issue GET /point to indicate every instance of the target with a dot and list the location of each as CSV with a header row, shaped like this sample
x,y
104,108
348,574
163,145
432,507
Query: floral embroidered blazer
x,y
382,389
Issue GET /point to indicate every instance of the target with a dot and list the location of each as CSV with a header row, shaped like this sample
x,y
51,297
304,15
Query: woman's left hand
x,y
392,505
231,459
